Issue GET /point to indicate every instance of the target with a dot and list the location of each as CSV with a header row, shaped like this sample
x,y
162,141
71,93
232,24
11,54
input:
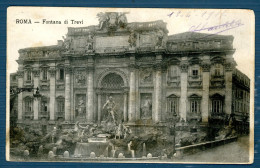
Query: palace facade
x,y
149,74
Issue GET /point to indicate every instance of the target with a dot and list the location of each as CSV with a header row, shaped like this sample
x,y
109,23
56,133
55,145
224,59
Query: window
x,y
237,93
217,70
195,72
44,74
217,106
44,106
173,71
195,101
14,78
173,105
28,105
61,74
195,106
217,44
60,105
241,94
29,75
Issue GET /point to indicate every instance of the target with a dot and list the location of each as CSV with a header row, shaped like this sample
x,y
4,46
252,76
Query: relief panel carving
x,y
80,77
146,76
146,40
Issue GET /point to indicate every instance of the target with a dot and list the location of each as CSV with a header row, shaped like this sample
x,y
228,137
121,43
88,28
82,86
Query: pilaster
x,y
205,92
90,93
67,92
125,104
99,106
20,75
184,83
229,66
157,93
36,109
132,90
52,73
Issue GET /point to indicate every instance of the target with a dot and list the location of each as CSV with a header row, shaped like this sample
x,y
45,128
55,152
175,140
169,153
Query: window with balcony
x,y
28,75
44,106
195,72
218,70
217,44
45,74
173,72
217,104
173,105
61,74
60,107
195,106
195,101
28,107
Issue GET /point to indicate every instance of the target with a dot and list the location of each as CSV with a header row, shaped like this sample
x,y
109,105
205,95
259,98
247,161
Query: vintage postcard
x,y
130,85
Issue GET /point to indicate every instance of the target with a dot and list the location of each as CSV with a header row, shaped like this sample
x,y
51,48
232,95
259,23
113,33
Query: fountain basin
x,y
84,149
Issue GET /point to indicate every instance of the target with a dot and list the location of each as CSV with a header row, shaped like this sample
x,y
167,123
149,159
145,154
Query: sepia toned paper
x,y
130,85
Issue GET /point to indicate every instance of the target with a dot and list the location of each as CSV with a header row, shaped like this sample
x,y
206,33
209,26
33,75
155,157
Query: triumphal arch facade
x,y
149,74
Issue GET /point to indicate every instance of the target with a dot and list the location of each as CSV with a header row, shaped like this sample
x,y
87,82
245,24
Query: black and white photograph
x,y
130,85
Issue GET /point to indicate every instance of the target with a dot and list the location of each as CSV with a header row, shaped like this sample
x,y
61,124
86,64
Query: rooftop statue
x,y
112,20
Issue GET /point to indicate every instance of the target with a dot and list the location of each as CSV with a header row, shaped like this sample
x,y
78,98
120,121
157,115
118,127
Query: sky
x,y
239,23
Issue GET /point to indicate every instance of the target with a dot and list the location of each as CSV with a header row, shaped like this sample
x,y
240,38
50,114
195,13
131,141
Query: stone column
x,y
164,90
137,94
125,106
99,106
52,73
205,93
72,112
20,75
184,84
132,98
158,94
157,112
90,93
36,108
67,93
228,83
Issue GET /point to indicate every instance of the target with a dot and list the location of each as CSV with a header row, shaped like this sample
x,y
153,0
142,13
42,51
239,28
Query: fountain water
x,y
144,149
113,151
129,148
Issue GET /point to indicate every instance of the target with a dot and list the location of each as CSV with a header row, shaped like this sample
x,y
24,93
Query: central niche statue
x,y
109,106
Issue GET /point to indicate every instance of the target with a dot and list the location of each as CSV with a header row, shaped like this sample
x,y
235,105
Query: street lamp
x,y
172,122
37,93
14,92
